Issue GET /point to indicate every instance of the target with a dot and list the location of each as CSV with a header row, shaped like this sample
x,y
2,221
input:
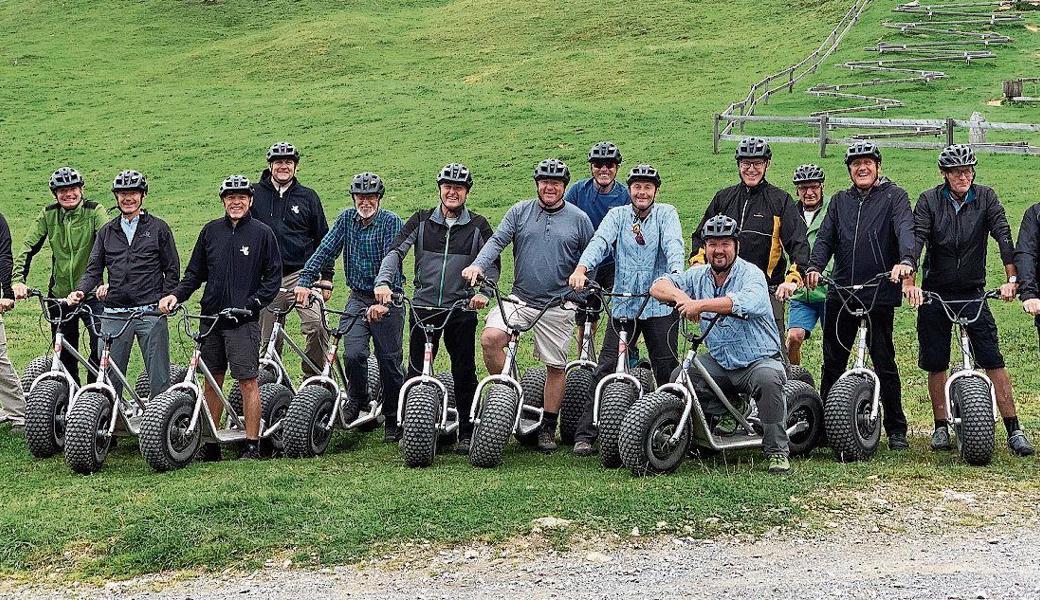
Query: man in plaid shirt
x,y
365,234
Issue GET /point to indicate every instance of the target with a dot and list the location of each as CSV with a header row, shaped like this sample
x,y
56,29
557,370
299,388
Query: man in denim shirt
x,y
743,353
646,238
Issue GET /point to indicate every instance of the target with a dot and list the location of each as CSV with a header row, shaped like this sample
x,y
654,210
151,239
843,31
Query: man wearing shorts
x,y
548,236
237,258
807,305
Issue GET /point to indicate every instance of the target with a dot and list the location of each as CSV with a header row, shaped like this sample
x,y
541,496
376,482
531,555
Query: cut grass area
x,y
189,92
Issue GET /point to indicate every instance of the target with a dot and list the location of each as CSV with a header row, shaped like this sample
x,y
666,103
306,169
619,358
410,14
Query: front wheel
x,y
645,441
491,433
851,433
803,407
618,397
165,440
87,438
973,404
419,424
45,408
274,404
306,431
577,392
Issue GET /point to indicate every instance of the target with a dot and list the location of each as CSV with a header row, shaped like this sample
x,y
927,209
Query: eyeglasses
x,y
752,164
638,231
962,173
604,165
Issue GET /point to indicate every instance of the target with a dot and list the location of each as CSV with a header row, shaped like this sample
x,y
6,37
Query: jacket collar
x,y
241,222
438,217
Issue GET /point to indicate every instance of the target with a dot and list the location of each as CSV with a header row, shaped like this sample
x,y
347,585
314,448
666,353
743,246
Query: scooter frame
x,y
271,360
621,368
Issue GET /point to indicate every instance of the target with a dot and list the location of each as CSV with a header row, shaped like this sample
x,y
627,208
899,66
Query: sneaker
x,y
940,439
210,452
391,432
252,451
779,465
584,449
1019,444
546,440
897,442
463,446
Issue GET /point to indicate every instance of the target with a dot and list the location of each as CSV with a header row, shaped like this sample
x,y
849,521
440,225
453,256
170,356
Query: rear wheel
x,y
274,402
165,441
533,384
234,397
447,440
305,427
645,441
45,408
143,386
803,406
617,398
846,418
87,438
645,376
419,423
973,404
36,367
800,373
491,433
577,392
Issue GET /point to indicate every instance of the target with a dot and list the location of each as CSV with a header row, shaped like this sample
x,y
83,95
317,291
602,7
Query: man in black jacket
x,y
446,240
1027,252
295,214
953,219
12,401
868,229
769,221
237,258
141,257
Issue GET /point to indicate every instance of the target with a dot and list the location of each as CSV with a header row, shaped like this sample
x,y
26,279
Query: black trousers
x,y
458,335
662,341
70,329
839,337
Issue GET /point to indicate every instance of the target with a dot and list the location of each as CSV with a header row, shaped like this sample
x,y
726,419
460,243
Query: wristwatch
x,y
1013,279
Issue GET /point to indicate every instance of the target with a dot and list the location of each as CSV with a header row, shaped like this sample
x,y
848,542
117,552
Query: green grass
x,y
189,92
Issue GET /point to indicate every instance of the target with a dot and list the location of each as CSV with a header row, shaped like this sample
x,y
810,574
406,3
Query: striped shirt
x,y
363,248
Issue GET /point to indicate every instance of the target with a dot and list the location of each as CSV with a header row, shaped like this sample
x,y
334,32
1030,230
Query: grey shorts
x,y
238,347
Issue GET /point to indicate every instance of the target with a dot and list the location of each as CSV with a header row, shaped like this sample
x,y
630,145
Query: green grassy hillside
x,y
189,92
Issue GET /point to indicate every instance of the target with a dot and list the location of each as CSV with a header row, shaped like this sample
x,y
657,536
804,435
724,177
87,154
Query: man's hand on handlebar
x,y
1032,306
1008,291
6,304
384,295
75,297
913,293
899,272
326,289
478,302
689,308
812,279
168,304
472,274
101,292
376,312
578,278
21,291
784,291
303,295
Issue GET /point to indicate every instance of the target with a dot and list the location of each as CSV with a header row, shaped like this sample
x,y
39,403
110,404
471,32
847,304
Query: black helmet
x,y
367,183
720,226
283,150
808,174
957,155
129,181
605,152
862,149
65,177
553,168
456,173
644,173
753,147
235,184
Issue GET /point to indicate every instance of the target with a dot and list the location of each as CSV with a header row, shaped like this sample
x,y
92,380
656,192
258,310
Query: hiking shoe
x,y
546,440
391,432
463,446
1019,444
584,449
779,465
252,452
940,439
897,442
210,452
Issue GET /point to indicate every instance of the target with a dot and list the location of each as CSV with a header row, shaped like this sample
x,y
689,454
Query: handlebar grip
x,y
322,286
240,312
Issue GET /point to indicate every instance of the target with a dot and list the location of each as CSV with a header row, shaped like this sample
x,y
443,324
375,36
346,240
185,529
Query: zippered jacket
x,y
70,234
812,230
239,263
866,234
956,257
770,225
139,273
441,253
1027,251
297,218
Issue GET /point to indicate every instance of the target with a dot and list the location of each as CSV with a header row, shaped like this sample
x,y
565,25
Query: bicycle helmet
x,y
65,177
235,184
283,150
753,147
808,174
367,183
456,173
862,149
605,152
129,181
644,173
720,226
552,168
957,155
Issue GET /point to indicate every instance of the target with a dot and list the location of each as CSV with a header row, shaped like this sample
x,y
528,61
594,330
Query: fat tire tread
x,y
155,428
419,423
635,431
618,397
39,417
491,435
81,433
840,425
299,420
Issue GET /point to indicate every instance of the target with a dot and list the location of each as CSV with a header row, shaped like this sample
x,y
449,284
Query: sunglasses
x,y
604,165
638,231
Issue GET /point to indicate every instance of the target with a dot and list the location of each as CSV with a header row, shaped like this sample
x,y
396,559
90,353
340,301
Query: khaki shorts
x,y
552,333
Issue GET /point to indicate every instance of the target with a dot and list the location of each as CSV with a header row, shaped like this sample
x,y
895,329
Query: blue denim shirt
x,y
735,343
638,266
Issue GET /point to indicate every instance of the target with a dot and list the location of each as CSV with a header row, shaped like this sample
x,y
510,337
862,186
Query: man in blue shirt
x,y
743,353
364,234
595,196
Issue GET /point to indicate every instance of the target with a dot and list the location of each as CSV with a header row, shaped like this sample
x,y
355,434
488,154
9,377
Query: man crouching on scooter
x,y
743,352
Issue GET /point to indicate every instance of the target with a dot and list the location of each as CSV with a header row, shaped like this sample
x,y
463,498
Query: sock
x,y
941,423
549,420
1011,424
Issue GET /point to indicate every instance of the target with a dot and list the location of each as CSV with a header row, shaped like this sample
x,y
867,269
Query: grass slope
x,y
189,92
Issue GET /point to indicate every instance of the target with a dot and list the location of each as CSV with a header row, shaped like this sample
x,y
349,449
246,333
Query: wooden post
x,y
790,80
823,136
949,132
715,135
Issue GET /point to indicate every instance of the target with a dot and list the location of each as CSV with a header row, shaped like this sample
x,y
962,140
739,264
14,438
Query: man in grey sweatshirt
x,y
548,237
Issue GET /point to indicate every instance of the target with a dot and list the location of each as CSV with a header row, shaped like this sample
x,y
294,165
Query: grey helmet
x,y
605,152
808,174
65,177
862,149
130,181
957,155
553,168
367,183
753,147
456,173
720,226
644,173
235,184
283,150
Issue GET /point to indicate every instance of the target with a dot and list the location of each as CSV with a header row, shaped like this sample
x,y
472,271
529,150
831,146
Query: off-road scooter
x,y
661,427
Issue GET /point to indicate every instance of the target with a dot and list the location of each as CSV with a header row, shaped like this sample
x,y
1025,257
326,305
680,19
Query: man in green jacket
x,y
807,305
69,225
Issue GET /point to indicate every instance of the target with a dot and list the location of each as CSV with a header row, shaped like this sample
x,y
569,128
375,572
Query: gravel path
x,y
978,562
